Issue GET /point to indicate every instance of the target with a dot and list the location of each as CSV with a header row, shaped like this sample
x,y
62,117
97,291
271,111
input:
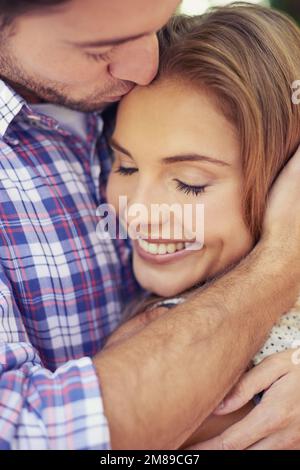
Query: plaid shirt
x,y
61,287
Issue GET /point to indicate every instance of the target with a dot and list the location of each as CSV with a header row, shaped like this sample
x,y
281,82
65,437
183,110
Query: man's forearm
x,y
161,383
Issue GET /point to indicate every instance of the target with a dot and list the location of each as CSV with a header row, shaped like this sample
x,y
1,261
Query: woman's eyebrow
x,y
176,158
116,146
194,158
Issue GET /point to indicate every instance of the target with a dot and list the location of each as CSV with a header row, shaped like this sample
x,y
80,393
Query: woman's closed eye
x,y
190,189
181,186
126,171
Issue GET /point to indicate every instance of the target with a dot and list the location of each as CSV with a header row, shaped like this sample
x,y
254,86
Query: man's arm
x,y
162,382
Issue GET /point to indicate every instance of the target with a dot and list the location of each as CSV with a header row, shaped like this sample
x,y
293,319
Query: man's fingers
x,y
282,219
258,424
253,382
284,440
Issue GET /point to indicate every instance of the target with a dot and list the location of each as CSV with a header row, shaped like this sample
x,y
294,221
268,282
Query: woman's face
x,y
173,145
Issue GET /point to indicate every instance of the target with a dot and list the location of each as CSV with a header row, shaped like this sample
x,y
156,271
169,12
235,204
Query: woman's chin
x,y
161,289
165,292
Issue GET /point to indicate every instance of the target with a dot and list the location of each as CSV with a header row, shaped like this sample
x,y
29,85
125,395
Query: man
x,y
62,288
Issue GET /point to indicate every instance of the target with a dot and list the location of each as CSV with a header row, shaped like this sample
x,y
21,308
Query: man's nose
x,y
136,61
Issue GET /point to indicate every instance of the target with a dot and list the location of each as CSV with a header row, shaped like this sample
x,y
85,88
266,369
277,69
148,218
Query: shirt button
x,y
11,141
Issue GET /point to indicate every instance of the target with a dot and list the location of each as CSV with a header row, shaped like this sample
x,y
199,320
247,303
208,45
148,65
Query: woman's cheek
x,y
215,216
113,191
222,215
224,227
119,192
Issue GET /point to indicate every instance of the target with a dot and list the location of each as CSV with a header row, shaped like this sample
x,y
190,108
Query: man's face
x,y
85,53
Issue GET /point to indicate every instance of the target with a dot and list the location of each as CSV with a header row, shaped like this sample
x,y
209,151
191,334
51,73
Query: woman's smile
x,y
160,252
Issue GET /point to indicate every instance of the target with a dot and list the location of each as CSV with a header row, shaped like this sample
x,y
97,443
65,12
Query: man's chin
x,y
83,107
90,105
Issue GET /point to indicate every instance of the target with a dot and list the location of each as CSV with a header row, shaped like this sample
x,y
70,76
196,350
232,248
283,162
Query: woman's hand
x,y
274,424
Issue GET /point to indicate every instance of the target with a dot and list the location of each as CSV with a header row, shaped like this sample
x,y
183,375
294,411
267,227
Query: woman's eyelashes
x,y
183,187
190,189
126,171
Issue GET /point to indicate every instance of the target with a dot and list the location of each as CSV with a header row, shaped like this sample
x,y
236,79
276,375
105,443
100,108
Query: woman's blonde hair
x,y
247,56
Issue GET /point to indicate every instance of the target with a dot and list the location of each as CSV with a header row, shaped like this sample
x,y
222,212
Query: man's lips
x,y
111,99
119,95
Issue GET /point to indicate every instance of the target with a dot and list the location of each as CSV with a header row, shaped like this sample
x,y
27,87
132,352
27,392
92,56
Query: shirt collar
x,y
10,105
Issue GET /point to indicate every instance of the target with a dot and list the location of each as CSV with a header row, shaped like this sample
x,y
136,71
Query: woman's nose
x,y
136,61
146,218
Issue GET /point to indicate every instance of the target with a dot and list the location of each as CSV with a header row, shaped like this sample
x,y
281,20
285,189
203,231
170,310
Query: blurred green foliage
x,y
292,7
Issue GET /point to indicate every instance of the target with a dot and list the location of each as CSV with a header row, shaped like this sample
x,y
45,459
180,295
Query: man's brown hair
x,y
9,9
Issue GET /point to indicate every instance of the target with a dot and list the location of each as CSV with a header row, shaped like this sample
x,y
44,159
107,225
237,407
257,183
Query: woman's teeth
x,y
161,248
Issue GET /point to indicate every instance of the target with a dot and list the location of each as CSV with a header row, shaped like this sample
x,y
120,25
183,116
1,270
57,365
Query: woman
x,y
215,128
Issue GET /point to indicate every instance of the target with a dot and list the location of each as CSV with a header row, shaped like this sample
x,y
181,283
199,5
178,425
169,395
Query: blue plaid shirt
x,y
62,288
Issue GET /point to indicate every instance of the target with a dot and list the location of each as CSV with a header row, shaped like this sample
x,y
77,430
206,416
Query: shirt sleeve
x,y
40,409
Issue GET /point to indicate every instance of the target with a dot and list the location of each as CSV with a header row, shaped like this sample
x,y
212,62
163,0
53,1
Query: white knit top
x,y
284,335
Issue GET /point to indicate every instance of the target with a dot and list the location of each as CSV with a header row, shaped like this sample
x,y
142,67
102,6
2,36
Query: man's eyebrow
x,y
176,158
108,42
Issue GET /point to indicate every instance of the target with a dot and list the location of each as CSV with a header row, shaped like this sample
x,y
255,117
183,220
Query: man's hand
x,y
274,424
282,220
